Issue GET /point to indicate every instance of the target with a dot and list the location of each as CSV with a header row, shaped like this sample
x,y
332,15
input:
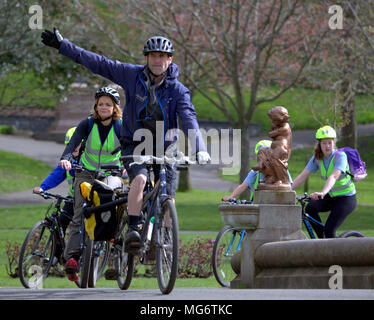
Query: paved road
x,y
12,293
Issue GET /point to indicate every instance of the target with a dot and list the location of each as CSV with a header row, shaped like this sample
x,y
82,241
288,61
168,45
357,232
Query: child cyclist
x,y
338,194
55,178
253,177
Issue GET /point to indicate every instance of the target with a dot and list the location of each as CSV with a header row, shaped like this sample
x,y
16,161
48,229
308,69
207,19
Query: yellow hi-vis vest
x,y
95,154
343,184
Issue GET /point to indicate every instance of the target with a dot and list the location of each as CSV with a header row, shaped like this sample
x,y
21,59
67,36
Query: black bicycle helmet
x,y
158,44
110,92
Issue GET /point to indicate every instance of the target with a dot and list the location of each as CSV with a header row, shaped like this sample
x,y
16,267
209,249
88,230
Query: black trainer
x,y
132,240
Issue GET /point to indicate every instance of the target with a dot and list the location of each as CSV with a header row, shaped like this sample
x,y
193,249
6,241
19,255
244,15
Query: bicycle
x,y
123,262
92,261
38,251
227,242
308,221
159,223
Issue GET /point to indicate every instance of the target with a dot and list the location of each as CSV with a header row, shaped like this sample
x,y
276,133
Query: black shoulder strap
x,y
89,128
117,127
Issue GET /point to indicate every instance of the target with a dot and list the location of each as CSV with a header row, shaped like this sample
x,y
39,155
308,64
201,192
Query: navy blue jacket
x,y
173,97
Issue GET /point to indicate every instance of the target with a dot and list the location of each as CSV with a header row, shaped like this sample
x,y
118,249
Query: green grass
x,y
197,211
19,173
299,102
29,83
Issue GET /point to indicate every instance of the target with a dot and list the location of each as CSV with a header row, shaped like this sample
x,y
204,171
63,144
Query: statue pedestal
x,y
274,217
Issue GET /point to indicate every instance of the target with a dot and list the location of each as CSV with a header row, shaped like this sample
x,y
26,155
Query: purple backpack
x,y
357,167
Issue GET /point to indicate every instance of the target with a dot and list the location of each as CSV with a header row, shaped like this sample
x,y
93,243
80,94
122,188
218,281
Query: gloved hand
x,y
52,39
203,157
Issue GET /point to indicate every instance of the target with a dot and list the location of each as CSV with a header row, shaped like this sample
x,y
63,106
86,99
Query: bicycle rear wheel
x,y
36,255
167,248
227,242
352,233
99,258
84,263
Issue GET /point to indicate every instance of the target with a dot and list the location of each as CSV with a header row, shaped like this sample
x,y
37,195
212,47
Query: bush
x,y
6,129
12,252
195,258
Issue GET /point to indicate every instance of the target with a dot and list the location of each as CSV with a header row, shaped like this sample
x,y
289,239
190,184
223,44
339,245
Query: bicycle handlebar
x,y
235,201
149,159
304,198
113,170
46,195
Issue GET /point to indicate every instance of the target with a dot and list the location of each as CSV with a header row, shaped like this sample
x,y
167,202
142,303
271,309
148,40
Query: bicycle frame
x,y
242,234
54,227
151,201
306,220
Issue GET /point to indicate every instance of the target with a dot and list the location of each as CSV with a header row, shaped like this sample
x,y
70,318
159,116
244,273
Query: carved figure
x,y
273,162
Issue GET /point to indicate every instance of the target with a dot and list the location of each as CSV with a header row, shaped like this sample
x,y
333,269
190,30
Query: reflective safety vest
x,y
70,180
255,185
343,184
95,154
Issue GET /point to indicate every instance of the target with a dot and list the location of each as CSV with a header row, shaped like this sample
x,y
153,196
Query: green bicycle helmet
x,y
326,132
262,144
69,134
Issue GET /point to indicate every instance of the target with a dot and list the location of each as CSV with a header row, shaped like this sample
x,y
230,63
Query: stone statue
x,y
273,162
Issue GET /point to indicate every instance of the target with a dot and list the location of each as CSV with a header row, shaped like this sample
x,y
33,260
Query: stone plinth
x,y
275,253
306,264
241,216
273,217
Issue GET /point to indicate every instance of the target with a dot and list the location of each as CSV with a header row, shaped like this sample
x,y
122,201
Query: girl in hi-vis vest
x,y
338,194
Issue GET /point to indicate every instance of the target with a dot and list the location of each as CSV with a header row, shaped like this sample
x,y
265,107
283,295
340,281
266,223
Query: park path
x,y
202,177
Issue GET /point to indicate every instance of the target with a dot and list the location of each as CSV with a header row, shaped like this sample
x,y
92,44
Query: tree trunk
x,y
184,183
348,134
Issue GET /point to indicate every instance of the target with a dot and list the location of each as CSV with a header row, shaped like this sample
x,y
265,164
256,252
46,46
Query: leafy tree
x,y
30,74
344,65
236,47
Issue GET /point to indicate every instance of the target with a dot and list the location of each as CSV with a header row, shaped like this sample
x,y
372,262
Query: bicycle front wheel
x,y
227,242
352,233
167,248
36,255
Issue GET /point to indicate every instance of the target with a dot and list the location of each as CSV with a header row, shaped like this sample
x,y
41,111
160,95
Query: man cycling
x,y
153,96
